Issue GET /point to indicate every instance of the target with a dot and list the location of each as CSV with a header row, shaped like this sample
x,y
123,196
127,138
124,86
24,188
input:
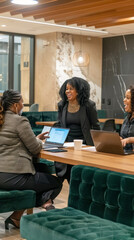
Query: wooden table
x,y
117,120
46,123
113,162
101,120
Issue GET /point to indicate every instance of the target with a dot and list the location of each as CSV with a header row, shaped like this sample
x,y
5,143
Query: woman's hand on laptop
x,y
43,136
127,141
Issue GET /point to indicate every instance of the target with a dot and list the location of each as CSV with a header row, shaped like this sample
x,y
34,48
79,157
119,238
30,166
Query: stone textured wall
x,y
54,64
118,73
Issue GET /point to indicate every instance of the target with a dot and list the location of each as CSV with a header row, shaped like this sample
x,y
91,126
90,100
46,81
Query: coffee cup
x,y
78,144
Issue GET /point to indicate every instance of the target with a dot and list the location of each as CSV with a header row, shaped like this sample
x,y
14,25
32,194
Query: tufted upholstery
x,y
103,193
16,200
100,207
34,117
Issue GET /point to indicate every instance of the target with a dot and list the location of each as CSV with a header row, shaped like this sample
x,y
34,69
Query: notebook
x,y
57,137
108,142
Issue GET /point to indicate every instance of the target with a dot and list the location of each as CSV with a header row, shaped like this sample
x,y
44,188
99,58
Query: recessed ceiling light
x,y
3,25
24,2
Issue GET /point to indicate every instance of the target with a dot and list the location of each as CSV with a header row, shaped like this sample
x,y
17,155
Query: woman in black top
x,y
127,130
77,112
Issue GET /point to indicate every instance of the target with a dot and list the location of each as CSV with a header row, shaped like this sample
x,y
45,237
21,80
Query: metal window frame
x,y
11,63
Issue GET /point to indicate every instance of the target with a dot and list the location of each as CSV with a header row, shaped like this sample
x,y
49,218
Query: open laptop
x,y
108,142
57,137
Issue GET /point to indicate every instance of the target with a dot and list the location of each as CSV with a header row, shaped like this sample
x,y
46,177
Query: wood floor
x,y
13,233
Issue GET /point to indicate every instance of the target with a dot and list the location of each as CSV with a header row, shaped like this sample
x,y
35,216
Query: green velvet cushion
x,y
102,113
100,207
103,193
49,116
34,117
16,200
49,166
71,224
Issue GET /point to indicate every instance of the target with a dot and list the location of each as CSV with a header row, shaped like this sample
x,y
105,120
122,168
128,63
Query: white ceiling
x,y
18,24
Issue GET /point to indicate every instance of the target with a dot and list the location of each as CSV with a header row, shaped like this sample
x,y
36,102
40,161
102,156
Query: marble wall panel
x,y
54,64
67,45
118,73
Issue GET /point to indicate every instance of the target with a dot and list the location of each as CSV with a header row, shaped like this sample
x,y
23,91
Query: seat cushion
x,y
49,166
104,193
16,200
72,224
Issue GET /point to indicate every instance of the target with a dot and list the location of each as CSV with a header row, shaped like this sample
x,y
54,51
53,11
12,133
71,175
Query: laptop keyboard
x,y
50,146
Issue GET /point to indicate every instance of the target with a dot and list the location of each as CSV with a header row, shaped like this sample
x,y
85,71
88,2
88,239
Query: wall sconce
x,y
81,59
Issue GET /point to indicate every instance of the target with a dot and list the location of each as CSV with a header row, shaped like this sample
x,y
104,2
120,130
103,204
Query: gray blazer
x,y
18,145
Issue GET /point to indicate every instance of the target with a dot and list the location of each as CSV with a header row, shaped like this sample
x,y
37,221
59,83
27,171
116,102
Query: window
x,y
4,59
17,65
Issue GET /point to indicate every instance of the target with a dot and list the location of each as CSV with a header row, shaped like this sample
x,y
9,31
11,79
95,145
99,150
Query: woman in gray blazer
x,y
18,146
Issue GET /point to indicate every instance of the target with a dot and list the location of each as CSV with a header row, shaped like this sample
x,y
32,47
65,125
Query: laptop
x,y
108,142
57,137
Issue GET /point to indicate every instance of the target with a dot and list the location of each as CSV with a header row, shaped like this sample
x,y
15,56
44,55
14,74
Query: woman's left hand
x,y
43,136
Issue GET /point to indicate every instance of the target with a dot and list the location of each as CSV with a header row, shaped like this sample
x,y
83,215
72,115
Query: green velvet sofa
x,y
34,117
16,200
100,207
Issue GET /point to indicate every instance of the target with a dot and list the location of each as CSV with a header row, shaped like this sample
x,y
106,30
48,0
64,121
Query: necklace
x,y
73,107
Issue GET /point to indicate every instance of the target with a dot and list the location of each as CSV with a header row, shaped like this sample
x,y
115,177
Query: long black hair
x,y
132,97
6,101
82,87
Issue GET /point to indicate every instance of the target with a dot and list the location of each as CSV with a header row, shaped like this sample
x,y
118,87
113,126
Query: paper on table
x,y
91,149
70,144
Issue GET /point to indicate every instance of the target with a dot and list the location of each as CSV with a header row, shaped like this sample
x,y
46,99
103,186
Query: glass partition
x,y
4,61
17,65
22,66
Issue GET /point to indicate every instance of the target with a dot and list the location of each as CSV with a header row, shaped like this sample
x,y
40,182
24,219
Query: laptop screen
x,y
57,135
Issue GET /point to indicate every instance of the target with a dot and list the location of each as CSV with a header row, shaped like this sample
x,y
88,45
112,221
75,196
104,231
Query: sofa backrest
x,y
103,193
34,117
102,113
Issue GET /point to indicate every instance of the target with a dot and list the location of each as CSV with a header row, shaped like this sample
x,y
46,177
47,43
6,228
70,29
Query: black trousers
x,y
45,185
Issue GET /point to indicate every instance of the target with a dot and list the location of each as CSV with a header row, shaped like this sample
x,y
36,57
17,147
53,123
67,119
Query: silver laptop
x,y
108,142
57,137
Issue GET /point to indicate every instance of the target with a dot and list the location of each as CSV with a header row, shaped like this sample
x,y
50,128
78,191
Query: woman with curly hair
x,y
18,146
77,112
127,129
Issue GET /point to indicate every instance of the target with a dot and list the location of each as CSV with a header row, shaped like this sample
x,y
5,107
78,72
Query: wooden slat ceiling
x,y
98,13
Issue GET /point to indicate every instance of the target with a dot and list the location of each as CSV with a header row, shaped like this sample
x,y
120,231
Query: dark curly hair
x,y
82,87
6,101
132,97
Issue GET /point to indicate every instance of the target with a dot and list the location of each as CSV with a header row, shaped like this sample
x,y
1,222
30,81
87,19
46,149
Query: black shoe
x,y
50,207
9,221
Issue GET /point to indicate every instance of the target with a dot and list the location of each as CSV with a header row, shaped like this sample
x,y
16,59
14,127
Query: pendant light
x,y
25,2
81,59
